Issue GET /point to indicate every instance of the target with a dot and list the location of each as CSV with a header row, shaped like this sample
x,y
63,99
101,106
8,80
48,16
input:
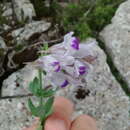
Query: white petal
x,y
58,79
57,49
65,59
77,65
48,63
84,50
67,40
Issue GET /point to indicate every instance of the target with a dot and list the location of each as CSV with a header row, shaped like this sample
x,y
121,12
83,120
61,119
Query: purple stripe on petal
x,y
65,83
55,63
82,68
58,68
82,72
75,43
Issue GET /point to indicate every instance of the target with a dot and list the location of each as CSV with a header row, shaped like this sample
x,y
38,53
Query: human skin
x,y
61,118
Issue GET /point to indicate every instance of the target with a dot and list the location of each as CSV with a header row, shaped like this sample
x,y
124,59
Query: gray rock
x,y
101,97
23,34
116,37
3,49
18,82
23,10
104,100
7,11
2,43
14,114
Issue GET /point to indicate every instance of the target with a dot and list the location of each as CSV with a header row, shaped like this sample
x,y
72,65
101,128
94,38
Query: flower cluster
x,y
67,62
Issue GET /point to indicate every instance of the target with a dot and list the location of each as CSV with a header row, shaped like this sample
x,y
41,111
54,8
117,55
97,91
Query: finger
x,y
61,118
84,122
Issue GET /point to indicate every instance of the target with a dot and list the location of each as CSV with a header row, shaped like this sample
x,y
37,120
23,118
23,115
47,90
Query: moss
x,y
19,47
88,17
2,51
82,30
3,19
40,8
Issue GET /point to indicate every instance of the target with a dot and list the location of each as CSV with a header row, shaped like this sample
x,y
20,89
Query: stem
x,y
40,78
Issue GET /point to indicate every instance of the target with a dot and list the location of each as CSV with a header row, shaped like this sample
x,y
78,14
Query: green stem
x,y
40,78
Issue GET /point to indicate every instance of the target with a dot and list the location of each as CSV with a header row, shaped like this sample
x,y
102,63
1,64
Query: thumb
x,y
56,123
60,119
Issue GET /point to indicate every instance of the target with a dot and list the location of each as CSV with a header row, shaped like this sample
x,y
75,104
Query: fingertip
x,y
87,118
84,122
63,107
63,101
61,117
56,123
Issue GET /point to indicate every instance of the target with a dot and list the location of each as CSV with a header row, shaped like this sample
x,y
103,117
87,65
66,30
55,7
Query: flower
x,y
58,79
68,62
48,63
81,68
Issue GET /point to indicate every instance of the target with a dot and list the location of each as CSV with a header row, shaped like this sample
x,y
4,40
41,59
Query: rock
x,y
116,37
18,82
2,43
14,114
102,97
23,10
3,49
8,12
24,34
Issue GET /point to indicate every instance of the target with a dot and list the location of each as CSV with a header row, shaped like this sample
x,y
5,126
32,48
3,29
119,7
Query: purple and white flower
x,y
58,79
80,68
68,62
49,64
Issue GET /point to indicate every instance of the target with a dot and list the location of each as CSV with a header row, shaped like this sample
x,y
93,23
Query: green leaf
x,y
36,111
40,127
41,111
33,109
46,93
46,46
34,86
49,107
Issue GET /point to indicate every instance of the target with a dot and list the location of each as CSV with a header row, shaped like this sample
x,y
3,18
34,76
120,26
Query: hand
x,y
61,118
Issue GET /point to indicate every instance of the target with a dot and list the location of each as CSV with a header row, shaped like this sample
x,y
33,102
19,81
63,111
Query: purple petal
x,y
75,43
55,63
83,70
65,83
58,68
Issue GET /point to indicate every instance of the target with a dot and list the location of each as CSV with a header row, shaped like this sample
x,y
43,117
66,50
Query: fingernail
x,y
60,123
56,124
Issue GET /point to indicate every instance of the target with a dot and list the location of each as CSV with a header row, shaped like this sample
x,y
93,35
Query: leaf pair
x,y
36,90
34,86
43,110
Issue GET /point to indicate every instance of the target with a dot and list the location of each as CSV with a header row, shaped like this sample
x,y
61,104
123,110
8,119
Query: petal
x,y
67,39
70,43
57,49
74,81
58,79
85,50
75,43
49,63
80,68
65,83
65,59
69,70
